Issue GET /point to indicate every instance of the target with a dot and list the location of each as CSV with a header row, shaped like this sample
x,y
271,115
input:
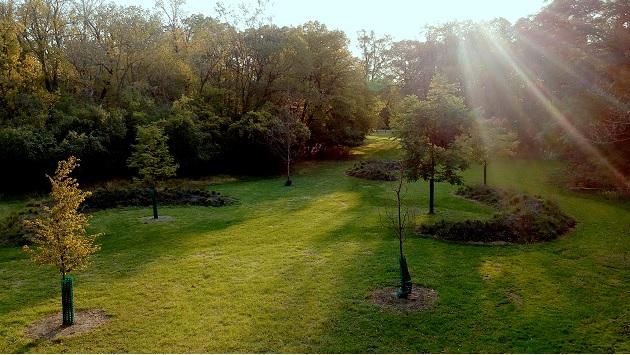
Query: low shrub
x,y
108,197
522,219
384,170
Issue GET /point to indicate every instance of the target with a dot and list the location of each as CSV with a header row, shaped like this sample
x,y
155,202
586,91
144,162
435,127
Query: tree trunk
x,y
431,194
288,183
432,182
485,169
154,200
405,279
67,300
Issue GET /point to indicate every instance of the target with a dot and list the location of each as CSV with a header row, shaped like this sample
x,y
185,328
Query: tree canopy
x,y
59,232
151,157
428,130
487,138
81,77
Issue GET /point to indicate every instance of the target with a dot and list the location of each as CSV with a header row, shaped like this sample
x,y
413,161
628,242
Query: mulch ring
x,y
51,327
421,298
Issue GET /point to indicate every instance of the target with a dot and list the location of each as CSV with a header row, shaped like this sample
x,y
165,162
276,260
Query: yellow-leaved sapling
x,y
59,236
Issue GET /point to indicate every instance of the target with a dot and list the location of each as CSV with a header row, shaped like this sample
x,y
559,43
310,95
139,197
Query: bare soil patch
x,y
421,298
51,327
514,298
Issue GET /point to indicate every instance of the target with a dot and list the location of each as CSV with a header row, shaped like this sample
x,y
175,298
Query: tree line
x,y
78,77
236,93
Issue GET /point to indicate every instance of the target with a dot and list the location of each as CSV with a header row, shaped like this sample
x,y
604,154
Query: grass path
x,y
291,269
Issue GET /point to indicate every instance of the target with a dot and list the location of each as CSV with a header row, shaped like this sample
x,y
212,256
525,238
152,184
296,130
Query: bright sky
x,y
402,19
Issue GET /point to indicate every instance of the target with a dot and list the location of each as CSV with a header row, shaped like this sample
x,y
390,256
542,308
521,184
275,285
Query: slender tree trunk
x,y
431,194
288,183
432,182
405,278
288,170
485,174
400,226
154,200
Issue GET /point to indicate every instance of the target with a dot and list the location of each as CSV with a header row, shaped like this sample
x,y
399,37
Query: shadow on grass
x,y
127,245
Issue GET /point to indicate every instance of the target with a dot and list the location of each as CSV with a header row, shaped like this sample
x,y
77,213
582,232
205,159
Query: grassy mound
x,y
522,219
384,170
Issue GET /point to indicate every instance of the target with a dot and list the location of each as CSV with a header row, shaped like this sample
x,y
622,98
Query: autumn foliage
x,y
59,232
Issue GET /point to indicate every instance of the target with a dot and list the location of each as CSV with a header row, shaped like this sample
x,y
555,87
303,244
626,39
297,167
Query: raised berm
x,y
520,219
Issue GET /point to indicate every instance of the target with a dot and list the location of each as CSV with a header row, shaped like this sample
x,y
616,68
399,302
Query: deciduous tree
x,y
286,134
152,159
487,139
59,232
428,129
375,54
401,221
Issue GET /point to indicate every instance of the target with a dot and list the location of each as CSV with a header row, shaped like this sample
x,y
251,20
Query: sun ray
x,y
467,53
546,99
560,65
469,76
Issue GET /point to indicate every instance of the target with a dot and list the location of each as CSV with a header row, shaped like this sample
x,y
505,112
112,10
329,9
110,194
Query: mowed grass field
x,y
292,269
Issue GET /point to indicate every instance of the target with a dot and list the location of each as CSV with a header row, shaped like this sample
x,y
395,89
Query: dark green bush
x,y
104,197
523,219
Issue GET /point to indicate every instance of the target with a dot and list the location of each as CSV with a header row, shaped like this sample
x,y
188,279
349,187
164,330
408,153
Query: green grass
x,y
291,270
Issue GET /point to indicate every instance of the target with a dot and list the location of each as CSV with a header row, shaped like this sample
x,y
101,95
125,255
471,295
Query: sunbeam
x,y
469,76
560,65
546,99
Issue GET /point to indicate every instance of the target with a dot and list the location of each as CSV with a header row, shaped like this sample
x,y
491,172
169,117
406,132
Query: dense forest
x,y
80,77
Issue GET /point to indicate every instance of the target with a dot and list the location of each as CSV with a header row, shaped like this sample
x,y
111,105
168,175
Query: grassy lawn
x,y
291,270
